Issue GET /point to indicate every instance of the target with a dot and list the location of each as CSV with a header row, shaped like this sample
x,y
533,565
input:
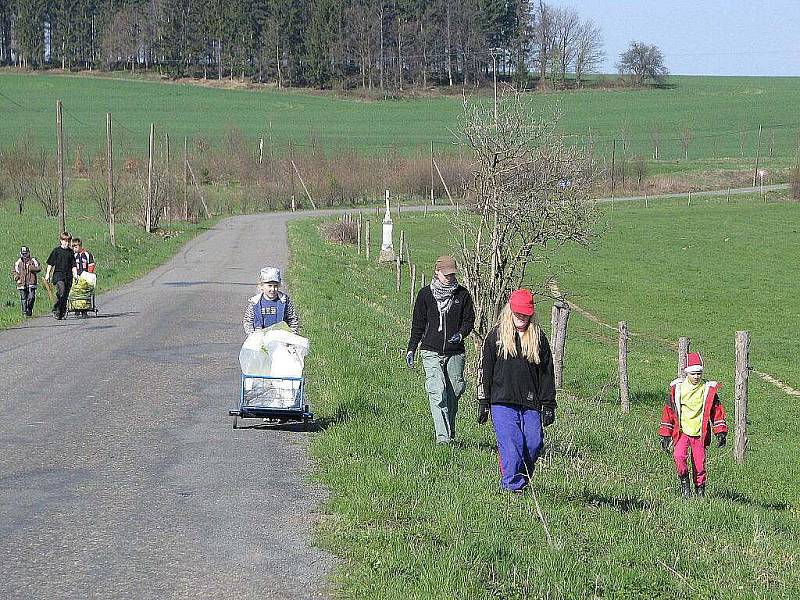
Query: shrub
x,y
340,232
794,182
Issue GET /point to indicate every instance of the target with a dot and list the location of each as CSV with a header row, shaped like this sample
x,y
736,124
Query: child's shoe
x,y
700,490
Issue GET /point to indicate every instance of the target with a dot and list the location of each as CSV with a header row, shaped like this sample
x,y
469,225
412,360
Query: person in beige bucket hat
x,y
443,316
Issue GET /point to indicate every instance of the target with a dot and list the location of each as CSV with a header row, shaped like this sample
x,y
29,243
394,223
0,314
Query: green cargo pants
x,y
444,383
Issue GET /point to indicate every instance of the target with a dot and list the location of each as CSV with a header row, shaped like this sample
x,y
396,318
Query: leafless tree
x,y
543,38
625,138
686,139
642,61
566,25
588,50
655,139
530,194
639,169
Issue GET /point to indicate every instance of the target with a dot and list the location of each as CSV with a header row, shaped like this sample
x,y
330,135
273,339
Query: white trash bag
x,y
273,352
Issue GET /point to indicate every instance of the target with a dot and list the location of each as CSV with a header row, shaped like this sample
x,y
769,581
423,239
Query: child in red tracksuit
x,y
692,413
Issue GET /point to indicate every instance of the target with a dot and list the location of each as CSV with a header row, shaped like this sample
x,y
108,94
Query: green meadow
x,y
715,109
409,519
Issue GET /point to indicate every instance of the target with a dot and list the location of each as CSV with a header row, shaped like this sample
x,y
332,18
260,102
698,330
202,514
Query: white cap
x,y
270,274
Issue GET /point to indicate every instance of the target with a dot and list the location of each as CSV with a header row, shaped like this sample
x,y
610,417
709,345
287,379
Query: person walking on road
x,y
24,275
443,317
84,261
270,305
693,412
61,270
518,389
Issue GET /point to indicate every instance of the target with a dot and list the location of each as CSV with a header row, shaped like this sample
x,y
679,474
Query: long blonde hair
x,y
529,339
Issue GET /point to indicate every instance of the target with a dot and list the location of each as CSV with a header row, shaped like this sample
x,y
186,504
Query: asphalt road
x,y
120,473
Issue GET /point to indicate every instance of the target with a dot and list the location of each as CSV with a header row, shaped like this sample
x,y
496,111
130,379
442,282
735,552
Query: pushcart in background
x,y
81,299
279,398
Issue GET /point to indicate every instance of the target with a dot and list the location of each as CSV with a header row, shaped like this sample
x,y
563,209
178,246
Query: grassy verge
x,y
410,519
135,253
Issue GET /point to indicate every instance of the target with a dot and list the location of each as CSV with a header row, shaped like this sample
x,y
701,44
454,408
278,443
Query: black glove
x,y
665,443
483,413
722,437
410,359
456,339
548,416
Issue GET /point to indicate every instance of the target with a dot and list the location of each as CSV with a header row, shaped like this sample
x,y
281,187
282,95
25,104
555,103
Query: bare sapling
x,y
530,193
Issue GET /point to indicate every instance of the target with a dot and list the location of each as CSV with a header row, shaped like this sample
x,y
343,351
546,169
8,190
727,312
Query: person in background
x,y
61,271
443,316
24,275
270,305
84,261
692,413
518,389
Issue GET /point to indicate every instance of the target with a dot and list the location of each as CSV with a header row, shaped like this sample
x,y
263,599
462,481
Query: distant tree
x,y
588,50
655,139
543,38
641,62
567,26
686,139
639,169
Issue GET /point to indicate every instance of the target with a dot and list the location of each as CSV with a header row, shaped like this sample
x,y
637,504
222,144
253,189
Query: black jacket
x,y
425,322
515,380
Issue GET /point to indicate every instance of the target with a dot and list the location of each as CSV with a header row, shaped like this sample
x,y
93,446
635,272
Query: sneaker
x,y
700,490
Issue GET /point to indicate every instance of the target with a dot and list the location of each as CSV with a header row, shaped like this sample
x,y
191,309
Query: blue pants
x,y
519,441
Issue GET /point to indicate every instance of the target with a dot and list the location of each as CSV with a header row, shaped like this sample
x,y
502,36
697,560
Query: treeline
x,y
381,44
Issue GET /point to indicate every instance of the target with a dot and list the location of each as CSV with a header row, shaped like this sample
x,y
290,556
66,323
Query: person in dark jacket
x,y
518,389
443,317
61,270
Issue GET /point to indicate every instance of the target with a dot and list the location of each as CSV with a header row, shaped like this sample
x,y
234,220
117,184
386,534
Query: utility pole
x,y
185,178
110,158
62,219
613,164
432,180
758,156
149,207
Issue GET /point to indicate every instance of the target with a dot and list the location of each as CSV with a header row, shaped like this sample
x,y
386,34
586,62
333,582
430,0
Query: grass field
x,y
135,253
410,519
714,108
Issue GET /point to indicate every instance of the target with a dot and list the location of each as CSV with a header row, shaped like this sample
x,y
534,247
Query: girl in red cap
x,y
518,389
692,413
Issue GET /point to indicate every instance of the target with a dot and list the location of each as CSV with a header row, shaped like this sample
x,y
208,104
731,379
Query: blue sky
x,y
704,37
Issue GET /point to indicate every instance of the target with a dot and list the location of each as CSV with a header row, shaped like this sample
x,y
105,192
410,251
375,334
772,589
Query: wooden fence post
x,y
358,235
683,353
554,323
624,395
185,178
413,286
740,391
398,274
366,238
560,343
402,243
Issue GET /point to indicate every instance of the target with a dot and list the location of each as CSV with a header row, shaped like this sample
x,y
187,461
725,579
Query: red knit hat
x,y
694,363
521,302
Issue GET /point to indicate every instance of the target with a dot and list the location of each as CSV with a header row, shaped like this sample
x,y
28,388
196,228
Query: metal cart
x,y
281,398
88,298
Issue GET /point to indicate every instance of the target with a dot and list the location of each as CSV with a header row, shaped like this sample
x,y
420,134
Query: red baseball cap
x,y
521,302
